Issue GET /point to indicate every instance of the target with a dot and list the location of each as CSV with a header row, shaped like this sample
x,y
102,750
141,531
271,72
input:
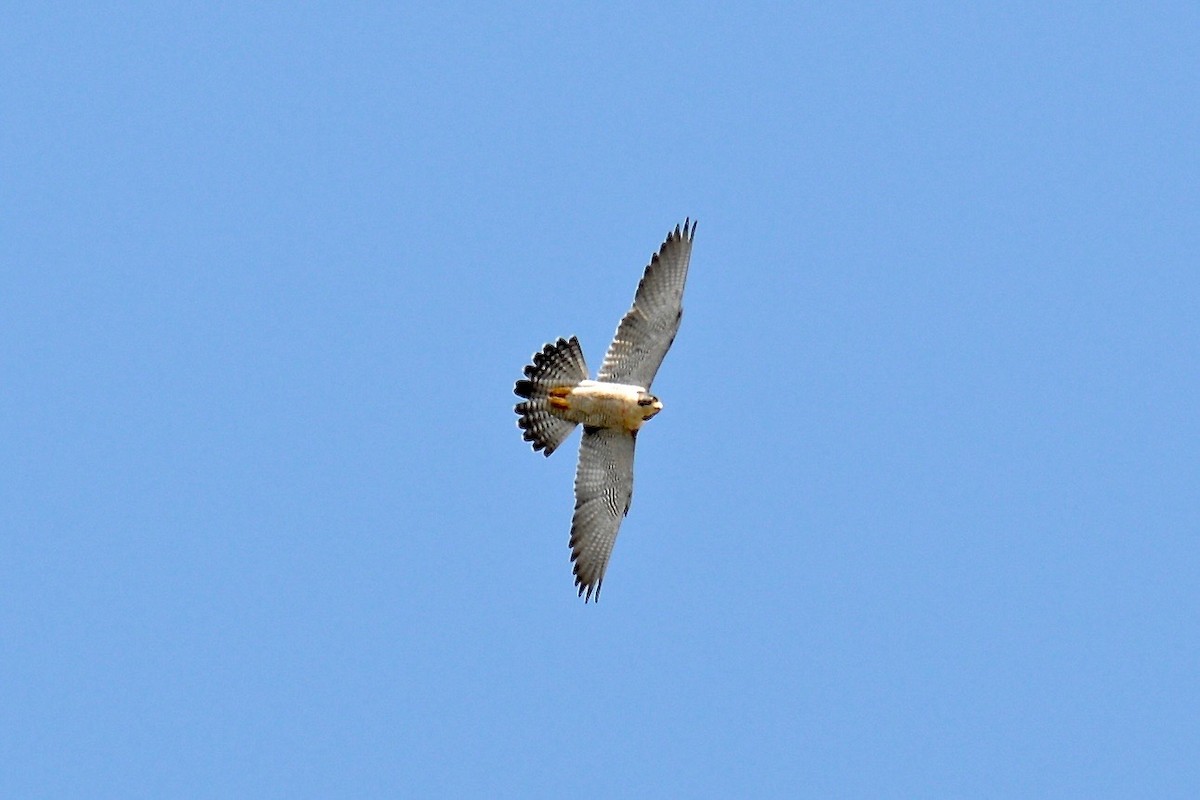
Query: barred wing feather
x,y
649,327
603,490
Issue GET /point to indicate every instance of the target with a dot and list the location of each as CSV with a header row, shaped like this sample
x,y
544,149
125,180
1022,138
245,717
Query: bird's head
x,y
648,405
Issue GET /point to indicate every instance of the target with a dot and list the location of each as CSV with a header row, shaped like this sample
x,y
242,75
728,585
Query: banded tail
x,y
558,364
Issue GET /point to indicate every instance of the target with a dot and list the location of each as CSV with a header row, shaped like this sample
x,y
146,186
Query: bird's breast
x,y
601,405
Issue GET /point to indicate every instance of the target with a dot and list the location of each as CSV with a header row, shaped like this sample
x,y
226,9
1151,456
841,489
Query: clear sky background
x,y
921,517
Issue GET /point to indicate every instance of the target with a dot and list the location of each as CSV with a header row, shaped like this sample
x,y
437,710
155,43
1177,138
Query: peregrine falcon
x,y
558,396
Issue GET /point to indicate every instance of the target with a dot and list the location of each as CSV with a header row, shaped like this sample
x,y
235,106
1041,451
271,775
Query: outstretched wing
x,y
646,332
603,488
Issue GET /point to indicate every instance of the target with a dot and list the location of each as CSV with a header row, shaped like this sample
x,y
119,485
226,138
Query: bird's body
x,y
612,409
599,404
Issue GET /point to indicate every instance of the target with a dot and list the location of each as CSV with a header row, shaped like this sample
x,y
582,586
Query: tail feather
x,y
558,364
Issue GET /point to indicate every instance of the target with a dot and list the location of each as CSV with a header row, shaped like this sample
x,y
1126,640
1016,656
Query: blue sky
x,y
920,518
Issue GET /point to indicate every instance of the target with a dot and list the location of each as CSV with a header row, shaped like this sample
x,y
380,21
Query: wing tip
x,y
592,587
683,233
590,582
686,231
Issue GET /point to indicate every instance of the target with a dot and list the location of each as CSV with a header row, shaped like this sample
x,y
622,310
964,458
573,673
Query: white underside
x,y
605,405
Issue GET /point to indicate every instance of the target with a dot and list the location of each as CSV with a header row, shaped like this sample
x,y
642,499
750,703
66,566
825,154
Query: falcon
x,y
557,396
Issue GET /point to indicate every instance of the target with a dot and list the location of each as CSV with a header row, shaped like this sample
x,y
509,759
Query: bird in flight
x,y
557,396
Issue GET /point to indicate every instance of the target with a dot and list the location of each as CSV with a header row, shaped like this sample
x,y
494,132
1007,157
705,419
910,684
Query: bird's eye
x,y
645,401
